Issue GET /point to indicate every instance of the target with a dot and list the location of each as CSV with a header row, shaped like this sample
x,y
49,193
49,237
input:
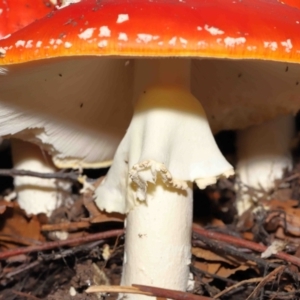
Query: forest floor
x,y
254,256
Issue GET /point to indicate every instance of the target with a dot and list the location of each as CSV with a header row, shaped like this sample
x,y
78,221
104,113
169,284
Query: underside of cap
x,y
74,109
87,102
248,29
241,93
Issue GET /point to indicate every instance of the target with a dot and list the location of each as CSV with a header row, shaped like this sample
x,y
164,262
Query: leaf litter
x,y
255,256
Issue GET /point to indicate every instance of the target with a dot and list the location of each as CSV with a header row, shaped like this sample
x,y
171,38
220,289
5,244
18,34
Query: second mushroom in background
x,y
34,195
259,99
167,141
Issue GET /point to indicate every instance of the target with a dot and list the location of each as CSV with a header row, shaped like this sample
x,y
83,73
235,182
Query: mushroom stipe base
x,y
167,147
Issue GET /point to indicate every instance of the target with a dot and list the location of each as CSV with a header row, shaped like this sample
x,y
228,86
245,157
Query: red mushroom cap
x,y
256,29
294,3
16,14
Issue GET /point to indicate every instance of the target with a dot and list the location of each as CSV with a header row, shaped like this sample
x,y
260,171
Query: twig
x,y
265,280
146,290
251,280
116,289
47,257
244,244
16,239
290,178
66,226
283,295
73,176
262,290
56,244
21,269
68,252
223,248
170,294
251,191
25,295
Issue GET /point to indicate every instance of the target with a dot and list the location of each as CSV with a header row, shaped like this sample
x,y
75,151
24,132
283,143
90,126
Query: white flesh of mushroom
x,y
168,145
263,156
80,117
36,195
241,93
68,107
237,94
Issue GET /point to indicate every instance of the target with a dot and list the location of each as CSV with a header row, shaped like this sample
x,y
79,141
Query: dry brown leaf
x,y
2,209
226,272
280,234
17,229
290,217
209,256
248,236
213,267
290,214
289,288
283,194
108,217
217,223
203,266
200,265
217,264
4,204
246,221
212,222
275,203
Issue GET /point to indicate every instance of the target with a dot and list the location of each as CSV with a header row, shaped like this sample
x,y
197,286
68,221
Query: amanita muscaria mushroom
x,y
71,81
293,3
14,15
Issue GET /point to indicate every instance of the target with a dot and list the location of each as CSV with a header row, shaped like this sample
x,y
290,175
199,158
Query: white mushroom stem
x,y
168,145
158,239
263,156
36,195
